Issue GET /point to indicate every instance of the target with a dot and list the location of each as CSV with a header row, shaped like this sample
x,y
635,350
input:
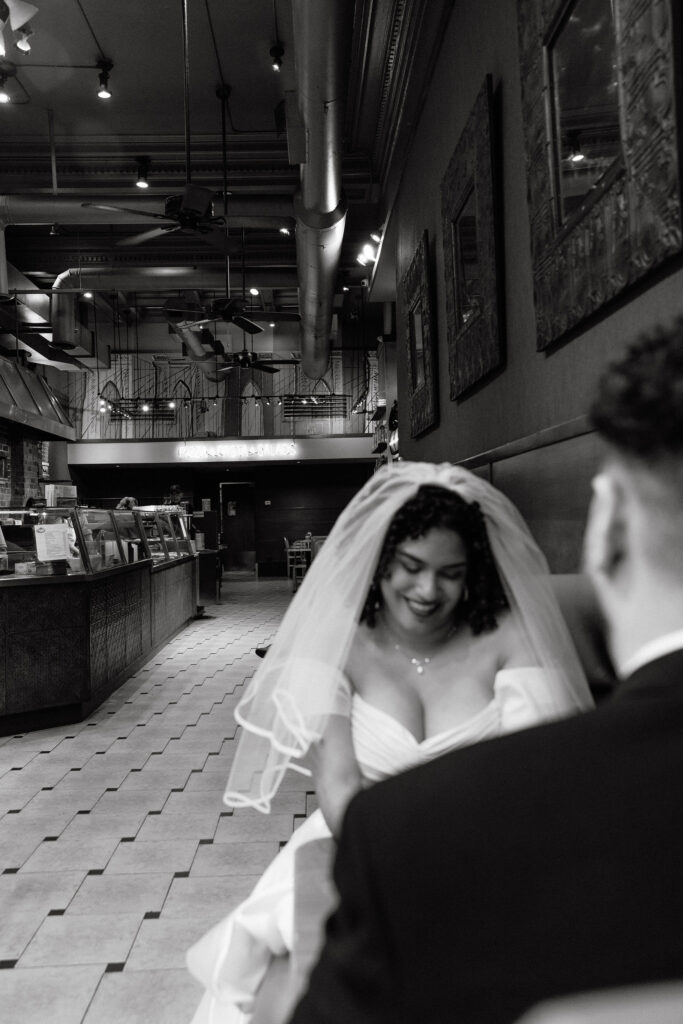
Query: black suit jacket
x,y
541,863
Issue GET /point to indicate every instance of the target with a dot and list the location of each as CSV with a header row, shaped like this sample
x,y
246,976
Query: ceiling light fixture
x,y
277,52
87,295
271,325
143,172
22,41
576,154
253,291
285,230
105,69
54,230
376,237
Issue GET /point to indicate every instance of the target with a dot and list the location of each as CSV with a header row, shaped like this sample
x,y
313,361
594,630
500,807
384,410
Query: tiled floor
x,y
116,851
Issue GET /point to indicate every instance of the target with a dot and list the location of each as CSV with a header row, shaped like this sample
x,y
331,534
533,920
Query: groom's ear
x,y
605,537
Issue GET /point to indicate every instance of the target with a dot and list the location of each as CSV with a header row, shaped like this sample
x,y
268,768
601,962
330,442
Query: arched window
x,y
252,411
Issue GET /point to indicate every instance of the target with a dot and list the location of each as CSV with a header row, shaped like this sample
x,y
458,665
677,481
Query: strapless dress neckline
x,y
435,739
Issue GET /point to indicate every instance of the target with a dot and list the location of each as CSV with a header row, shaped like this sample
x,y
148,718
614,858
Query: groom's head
x,y
634,537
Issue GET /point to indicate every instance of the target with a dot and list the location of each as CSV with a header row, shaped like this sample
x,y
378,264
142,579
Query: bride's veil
x,y
301,682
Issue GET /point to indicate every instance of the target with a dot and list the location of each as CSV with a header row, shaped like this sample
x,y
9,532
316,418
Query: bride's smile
x,y
424,585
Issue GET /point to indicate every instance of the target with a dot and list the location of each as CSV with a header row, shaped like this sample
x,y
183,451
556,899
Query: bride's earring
x,y
465,595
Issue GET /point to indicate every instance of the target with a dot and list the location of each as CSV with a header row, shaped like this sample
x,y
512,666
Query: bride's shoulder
x,y
363,650
511,643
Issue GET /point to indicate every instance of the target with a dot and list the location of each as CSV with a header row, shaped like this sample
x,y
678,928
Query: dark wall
x,y
535,392
287,500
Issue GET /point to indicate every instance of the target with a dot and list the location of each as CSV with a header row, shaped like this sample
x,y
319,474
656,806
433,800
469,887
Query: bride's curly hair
x,y
436,507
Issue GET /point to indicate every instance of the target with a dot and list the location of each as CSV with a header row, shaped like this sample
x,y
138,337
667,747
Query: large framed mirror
x,y
603,168
472,275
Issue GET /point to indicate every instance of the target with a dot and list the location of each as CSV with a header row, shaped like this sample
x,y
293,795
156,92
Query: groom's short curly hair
x,y
638,408
434,507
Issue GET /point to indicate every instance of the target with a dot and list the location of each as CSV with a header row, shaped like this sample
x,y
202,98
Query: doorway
x,y
238,527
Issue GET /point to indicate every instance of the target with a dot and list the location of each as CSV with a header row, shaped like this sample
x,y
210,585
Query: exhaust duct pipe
x,y
322,30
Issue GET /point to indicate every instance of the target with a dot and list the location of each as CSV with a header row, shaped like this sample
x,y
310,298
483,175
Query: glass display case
x,y
67,541
165,533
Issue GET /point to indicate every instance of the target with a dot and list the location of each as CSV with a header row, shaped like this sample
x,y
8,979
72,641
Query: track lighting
x,y
22,41
87,295
143,172
277,52
376,237
253,291
105,67
271,325
54,230
171,405
285,230
576,154
145,407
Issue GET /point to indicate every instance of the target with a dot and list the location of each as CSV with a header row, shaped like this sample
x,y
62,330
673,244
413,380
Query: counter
x,y
68,641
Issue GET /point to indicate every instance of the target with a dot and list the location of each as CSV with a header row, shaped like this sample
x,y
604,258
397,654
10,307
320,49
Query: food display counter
x,y
86,596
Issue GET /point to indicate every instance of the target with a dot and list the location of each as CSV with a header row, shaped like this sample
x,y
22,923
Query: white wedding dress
x,y
232,958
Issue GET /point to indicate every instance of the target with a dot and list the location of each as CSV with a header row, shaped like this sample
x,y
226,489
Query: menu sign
x,y
52,542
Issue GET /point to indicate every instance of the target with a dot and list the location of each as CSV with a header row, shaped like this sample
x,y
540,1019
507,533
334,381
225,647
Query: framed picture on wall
x,y
471,252
419,325
603,150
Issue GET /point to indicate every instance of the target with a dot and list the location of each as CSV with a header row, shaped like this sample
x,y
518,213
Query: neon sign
x,y
233,451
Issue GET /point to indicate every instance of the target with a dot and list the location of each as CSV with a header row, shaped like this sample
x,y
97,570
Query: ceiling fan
x,y
192,212
247,360
192,313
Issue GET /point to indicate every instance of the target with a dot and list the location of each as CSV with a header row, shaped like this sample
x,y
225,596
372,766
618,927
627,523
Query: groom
x,y
548,861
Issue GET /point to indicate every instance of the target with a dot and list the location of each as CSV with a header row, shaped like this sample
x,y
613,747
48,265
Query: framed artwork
x,y
599,92
419,322
471,252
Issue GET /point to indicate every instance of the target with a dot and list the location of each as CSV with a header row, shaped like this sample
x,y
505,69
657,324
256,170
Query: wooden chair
x,y
298,554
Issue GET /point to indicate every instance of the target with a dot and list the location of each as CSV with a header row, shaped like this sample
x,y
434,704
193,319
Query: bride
x,y
426,622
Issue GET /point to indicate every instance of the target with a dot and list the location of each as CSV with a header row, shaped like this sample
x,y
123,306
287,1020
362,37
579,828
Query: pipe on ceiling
x,y
150,279
322,30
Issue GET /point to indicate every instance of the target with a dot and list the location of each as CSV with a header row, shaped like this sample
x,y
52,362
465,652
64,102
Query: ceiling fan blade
x,y
146,236
127,209
246,325
263,367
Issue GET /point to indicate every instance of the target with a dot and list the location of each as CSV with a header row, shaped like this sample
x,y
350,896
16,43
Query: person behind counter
x,y
176,496
128,503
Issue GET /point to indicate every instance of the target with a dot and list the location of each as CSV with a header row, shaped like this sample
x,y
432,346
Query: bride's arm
x,y
335,771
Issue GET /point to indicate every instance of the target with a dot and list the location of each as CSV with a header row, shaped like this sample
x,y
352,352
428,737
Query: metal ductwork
x,y
71,282
322,30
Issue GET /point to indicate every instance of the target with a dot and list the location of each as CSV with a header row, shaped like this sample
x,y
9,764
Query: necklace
x,y
421,663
